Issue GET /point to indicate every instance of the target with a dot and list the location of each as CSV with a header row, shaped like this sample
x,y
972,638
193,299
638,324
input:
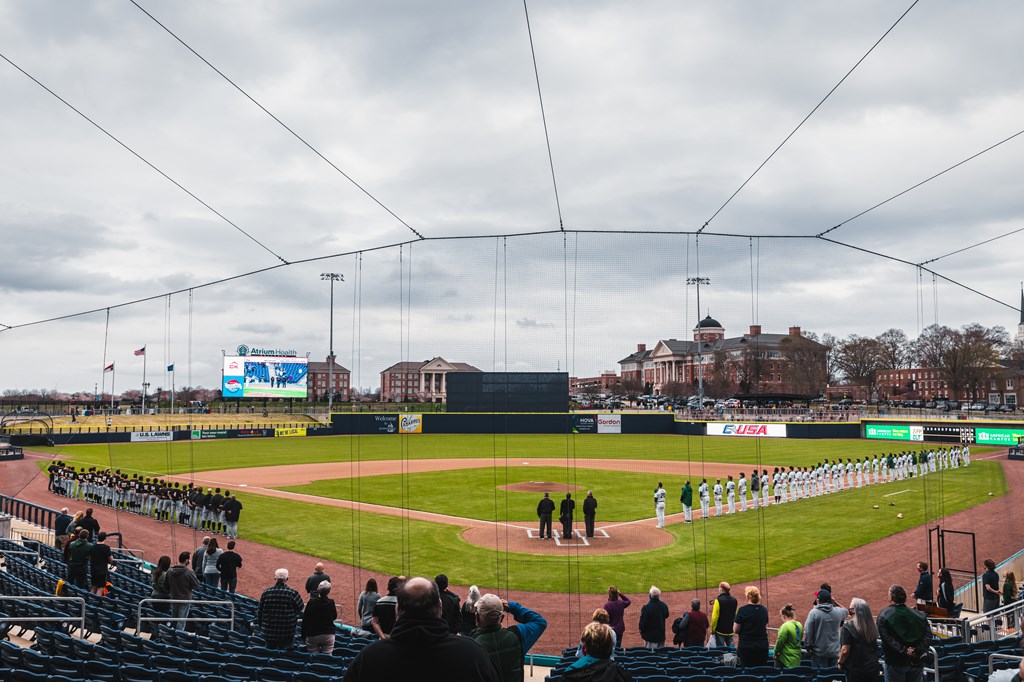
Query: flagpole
x,y
172,389
113,377
144,384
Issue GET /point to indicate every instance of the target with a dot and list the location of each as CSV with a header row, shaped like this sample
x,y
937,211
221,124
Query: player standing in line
x,y
764,488
794,487
717,490
730,494
775,486
705,498
741,488
686,497
659,504
755,487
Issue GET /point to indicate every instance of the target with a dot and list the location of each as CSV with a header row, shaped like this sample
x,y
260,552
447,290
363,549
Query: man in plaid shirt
x,y
278,612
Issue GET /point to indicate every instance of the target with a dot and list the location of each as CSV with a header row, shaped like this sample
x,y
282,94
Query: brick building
x,y
419,381
601,384
751,364
319,379
1003,387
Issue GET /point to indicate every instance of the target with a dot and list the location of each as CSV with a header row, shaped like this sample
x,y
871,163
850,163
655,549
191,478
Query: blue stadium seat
x,y
238,671
133,673
28,676
60,665
276,675
10,654
202,667
103,672
35,662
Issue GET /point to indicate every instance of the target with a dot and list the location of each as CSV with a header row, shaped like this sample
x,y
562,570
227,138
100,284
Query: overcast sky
x,y
657,113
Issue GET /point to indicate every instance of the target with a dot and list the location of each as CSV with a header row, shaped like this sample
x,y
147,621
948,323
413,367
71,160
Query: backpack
x,y
677,625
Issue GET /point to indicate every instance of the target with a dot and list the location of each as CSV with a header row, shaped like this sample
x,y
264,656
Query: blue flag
x,y
170,368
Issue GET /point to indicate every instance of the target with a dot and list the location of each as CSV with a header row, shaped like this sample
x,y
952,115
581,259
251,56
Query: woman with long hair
x,y
615,606
161,591
858,656
751,627
368,598
468,611
600,616
946,598
787,644
1009,593
211,574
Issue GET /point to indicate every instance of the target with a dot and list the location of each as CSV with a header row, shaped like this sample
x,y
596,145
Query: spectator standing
x,y
652,619
923,593
385,611
213,553
314,580
589,512
197,556
751,626
990,587
565,513
596,664
318,621
89,523
1009,593
691,629
78,560
858,655
450,605
181,581
507,647
946,598
600,616
367,600
421,645
161,592
468,611
787,643
723,614
821,630
279,611
60,528
101,559
905,636
545,508
615,606
228,565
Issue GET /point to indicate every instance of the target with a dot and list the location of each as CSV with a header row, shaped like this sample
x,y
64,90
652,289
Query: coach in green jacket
x,y
687,499
507,646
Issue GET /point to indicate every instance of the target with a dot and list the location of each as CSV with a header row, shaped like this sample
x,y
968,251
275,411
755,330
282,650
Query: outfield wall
x,y
476,423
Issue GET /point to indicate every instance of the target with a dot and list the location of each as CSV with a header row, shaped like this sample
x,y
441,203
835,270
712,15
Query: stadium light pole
x,y
697,281
332,277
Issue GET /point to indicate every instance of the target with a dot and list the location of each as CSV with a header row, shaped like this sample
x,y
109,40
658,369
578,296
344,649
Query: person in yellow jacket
x,y
723,613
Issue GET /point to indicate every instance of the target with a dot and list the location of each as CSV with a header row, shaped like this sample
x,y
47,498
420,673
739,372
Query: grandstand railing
x,y
26,511
996,657
950,627
189,619
986,626
80,619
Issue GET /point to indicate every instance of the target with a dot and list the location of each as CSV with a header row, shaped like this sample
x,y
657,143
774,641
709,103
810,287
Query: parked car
x,y
1006,408
992,407
732,403
846,401
930,405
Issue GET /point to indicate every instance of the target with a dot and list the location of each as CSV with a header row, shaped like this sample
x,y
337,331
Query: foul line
x,y
898,492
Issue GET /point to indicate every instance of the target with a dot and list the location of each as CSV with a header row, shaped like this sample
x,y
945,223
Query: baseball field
x,y
466,505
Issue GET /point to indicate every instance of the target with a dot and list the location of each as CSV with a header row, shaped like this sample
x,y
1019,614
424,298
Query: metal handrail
x,y
992,657
46,619
132,559
935,662
139,619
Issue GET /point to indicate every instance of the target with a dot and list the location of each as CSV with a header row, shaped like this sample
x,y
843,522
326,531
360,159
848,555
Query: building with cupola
x,y
755,363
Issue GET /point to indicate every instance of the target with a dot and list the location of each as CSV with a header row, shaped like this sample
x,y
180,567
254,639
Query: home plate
x,y
584,540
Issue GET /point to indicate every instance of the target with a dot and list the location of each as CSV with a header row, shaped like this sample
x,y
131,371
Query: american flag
x,y
141,351
109,368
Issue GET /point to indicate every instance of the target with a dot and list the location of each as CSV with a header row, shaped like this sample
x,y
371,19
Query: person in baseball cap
x,y
498,641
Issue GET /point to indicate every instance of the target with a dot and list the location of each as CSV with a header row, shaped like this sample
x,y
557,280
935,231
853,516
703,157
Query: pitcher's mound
x,y
539,487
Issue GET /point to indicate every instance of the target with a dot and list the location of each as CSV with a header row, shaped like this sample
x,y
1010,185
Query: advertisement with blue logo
x,y
264,377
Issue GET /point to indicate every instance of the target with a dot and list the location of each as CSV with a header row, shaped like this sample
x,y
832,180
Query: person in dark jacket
x,y
946,598
906,637
78,554
89,523
507,646
693,627
60,528
101,560
590,512
751,625
181,581
318,621
314,580
723,611
596,664
278,612
468,611
545,508
565,511
420,644
451,605
923,591
228,564
652,620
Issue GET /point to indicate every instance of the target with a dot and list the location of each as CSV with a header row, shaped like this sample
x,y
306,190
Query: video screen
x,y
264,377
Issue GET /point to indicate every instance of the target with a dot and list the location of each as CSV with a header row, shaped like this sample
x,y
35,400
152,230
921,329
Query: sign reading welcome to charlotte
x,y
894,432
985,436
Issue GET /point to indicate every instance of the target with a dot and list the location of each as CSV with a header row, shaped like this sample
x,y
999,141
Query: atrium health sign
x,y
747,430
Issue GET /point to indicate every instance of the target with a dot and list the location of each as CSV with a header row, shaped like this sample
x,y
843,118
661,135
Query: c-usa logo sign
x,y
242,349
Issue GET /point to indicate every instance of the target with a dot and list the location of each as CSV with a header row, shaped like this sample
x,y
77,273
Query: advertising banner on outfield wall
x,y
584,423
287,433
410,423
255,433
151,436
609,423
749,430
210,434
386,423
894,432
987,436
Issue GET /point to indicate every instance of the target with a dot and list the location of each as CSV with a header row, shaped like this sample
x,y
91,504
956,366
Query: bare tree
x,y
859,360
807,362
932,344
895,348
972,358
751,367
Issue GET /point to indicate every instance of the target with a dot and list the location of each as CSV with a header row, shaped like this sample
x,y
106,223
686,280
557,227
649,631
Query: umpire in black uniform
x,y
565,511
545,508
589,512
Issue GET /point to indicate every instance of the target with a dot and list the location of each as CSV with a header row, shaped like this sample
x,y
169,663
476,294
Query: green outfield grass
x,y
185,456
728,548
